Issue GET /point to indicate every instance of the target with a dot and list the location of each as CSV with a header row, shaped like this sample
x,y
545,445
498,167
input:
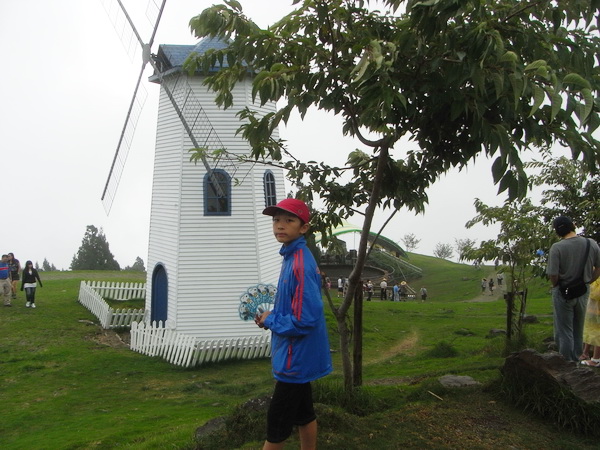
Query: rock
x,y
496,332
457,381
464,332
210,427
529,368
563,391
530,319
239,426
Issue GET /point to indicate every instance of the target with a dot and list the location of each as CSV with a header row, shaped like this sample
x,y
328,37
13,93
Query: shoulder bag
x,y
578,287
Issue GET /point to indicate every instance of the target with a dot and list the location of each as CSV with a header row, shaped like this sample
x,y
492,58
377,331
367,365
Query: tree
x,y
94,253
569,190
410,242
443,251
522,236
463,246
47,267
459,78
138,265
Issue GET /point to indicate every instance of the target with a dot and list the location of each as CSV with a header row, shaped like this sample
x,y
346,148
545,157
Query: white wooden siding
x,y
210,260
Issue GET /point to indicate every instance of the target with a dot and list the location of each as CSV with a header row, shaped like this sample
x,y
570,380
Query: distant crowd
x,y
489,284
10,275
400,291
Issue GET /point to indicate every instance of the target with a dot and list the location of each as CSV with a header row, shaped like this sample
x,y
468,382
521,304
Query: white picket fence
x,y
156,339
159,339
92,293
118,291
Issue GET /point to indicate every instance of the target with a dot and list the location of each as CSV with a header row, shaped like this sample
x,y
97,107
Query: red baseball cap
x,y
293,206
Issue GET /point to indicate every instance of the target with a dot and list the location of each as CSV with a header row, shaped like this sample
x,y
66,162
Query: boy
x,y
299,343
5,281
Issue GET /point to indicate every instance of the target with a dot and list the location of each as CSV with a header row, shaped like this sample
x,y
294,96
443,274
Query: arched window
x,y
269,187
217,193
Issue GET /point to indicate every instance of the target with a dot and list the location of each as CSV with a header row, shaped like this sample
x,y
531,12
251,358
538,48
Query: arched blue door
x,y
160,294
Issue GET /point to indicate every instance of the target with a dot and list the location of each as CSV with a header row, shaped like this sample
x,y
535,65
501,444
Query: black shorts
x,y
292,404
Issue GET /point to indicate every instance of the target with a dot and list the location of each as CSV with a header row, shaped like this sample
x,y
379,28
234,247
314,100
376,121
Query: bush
x,y
442,350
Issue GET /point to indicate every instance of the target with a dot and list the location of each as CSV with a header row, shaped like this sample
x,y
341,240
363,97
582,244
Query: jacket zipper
x,y
288,364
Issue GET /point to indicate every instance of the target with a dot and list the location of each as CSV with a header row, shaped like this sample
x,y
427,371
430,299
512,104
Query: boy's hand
x,y
259,319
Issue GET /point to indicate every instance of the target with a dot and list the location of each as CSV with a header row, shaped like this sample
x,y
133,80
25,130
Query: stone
x,y
528,367
453,381
210,427
496,332
530,319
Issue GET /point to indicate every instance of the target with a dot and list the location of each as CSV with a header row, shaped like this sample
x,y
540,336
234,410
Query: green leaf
x,y
538,98
510,57
556,100
517,87
506,181
402,99
234,4
361,67
499,168
588,99
577,80
535,65
498,80
542,71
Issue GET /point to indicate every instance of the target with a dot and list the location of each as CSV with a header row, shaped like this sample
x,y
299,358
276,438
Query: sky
x,y
65,85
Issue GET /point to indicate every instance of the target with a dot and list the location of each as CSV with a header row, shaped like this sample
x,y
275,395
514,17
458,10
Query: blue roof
x,y
175,54
171,57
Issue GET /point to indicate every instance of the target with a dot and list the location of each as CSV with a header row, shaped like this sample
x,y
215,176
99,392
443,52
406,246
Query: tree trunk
x,y
341,313
358,336
344,332
510,301
345,352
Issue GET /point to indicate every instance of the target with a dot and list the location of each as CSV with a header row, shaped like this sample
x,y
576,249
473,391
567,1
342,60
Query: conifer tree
x,y
138,265
94,253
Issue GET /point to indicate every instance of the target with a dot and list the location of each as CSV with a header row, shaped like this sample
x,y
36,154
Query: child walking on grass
x,y
299,342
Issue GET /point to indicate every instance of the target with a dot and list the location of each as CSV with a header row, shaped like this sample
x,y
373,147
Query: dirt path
x,y
498,293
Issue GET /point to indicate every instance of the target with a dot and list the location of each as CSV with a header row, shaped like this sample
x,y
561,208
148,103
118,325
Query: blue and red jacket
x,y
4,271
299,344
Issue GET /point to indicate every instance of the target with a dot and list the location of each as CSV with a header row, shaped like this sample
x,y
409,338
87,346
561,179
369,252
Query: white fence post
x,y
160,339
92,293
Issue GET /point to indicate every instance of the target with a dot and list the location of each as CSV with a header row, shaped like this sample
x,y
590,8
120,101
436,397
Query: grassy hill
x,y
67,384
447,280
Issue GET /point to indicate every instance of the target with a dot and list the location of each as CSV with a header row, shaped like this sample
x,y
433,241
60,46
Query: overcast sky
x,y
65,85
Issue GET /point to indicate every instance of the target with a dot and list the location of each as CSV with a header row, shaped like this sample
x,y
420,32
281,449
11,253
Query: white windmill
x,y
212,258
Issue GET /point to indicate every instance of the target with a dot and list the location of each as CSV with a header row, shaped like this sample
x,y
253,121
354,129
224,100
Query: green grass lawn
x,y
67,384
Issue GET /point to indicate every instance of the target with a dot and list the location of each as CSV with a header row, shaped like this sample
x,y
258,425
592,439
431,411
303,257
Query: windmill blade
x,y
211,135
118,164
157,14
128,31
187,106
194,119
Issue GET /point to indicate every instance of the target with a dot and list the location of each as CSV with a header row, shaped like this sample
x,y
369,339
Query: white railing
x,y
91,295
188,351
118,291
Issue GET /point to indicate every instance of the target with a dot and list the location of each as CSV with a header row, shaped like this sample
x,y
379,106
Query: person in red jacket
x,y
299,342
5,282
